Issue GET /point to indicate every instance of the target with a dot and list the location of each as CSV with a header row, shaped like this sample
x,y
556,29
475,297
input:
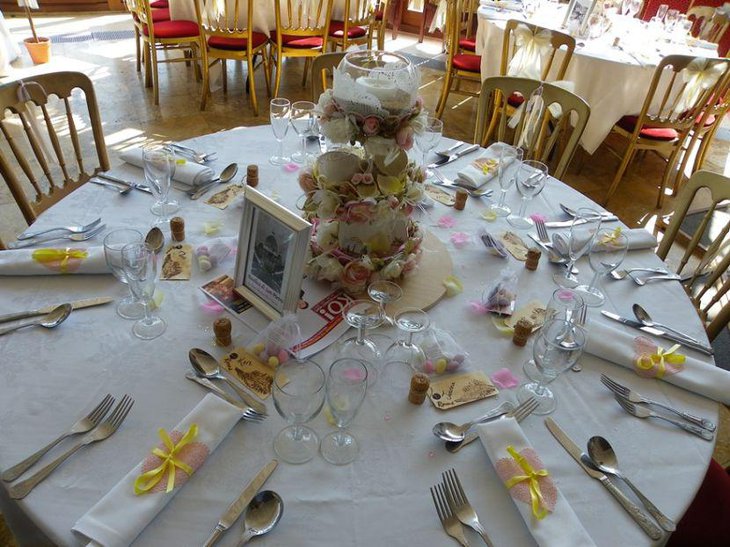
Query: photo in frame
x,y
272,248
578,15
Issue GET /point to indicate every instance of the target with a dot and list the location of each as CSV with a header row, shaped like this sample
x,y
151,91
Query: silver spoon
x,y
57,316
262,514
622,274
226,176
206,366
643,316
455,433
155,239
604,458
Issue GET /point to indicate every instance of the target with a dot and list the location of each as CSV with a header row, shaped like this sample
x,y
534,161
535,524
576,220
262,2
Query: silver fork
x,y
451,524
196,156
72,228
72,237
448,183
636,397
641,412
542,232
460,505
581,321
249,414
103,431
87,423
519,413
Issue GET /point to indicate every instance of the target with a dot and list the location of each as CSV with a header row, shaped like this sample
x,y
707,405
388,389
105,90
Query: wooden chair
x,y
43,160
178,35
378,25
665,119
359,16
226,37
556,138
550,69
160,12
468,38
709,24
302,29
322,66
706,290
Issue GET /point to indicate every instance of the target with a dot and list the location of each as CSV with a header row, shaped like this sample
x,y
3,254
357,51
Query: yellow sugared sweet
x,y
258,348
273,361
440,366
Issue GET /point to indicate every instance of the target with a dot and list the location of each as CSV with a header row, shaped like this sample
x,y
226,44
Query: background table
x,y
48,376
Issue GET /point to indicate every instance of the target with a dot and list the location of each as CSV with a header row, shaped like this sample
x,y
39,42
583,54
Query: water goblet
x,y
363,315
128,307
159,168
302,120
566,305
430,137
608,251
557,348
586,223
531,177
633,7
279,114
409,321
345,391
298,391
140,268
670,21
662,11
510,159
385,292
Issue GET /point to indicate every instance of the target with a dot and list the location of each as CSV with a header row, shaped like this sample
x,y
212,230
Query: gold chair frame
x,y
364,17
321,66
712,25
558,40
378,26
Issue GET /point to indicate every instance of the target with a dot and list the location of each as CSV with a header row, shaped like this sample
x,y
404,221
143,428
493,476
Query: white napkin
x,y
188,173
473,176
638,239
699,374
513,5
560,527
53,261
120,516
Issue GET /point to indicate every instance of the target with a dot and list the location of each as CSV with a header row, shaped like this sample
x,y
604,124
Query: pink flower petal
x,y
477,307
447,221
537,217
504,379
291,167
460,239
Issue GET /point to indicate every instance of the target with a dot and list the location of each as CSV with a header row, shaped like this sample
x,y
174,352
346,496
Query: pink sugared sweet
x,y
428,367
283,356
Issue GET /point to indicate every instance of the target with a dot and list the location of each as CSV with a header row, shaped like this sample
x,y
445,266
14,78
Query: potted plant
x,y
39,47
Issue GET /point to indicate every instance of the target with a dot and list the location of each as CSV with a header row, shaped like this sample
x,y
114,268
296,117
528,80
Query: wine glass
x,y
662,11
362,314
298,393
385,292
670,21
345,389
531,177
409,321
279,114
140,268
608,251
430,137
633,7
586,223
557,348
566,305
302,120
128,307
510,159
159,168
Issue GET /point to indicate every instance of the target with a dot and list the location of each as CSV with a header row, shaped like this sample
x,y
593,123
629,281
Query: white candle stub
x,y
384,90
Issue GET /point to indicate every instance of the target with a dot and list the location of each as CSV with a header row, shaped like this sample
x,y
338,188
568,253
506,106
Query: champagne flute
x,y
128,307
430,137
531,177
302,120
362,314
586,223
279,114
159,168
607,253
140,268
510,159
662,11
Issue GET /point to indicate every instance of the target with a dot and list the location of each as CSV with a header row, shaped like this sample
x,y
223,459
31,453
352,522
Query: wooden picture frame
x,y
272,247
578,14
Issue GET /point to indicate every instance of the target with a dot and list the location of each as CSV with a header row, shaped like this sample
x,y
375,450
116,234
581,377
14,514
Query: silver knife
x,y
140,187
569,223
210,386
248,400
77,305
456,156
646,524
238,505
685,341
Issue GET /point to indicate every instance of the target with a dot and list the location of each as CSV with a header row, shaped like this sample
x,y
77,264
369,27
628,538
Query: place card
x,y
224,198
534,312
177,264
515,245
255,375
461,389
437,194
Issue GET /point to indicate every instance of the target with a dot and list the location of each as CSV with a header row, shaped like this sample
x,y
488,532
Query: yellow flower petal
x,y
211,228
501,325
489,215
453,285
157,299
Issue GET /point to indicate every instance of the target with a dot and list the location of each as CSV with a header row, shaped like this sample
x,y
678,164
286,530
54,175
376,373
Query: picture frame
x,y
272,248
577,16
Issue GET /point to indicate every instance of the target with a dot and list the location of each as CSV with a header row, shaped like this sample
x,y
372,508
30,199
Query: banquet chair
x,y
669,112
515,62
707,264
709,24
302,28
468,39
227,37
321,67
552,138
359,16
160,12
378,25
43,160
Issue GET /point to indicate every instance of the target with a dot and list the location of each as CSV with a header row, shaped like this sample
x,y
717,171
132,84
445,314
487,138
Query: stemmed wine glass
x,y
298,392
670,21
430,137
531,177
409,321
346,386
510,159
607,253
586,223
556,349
384,292
302,120
159,168
362,314
661,11
566,305
140,268
632,7
128,307
279,114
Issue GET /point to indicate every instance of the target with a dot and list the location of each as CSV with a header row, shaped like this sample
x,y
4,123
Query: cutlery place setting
x,y
71,233
191,153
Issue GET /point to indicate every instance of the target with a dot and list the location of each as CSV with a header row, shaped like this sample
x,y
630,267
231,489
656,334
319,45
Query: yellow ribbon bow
x,y
538,503
610,238
647,361
527,60
49,257
146,481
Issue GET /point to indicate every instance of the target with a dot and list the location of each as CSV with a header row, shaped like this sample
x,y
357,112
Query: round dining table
x,y
49,376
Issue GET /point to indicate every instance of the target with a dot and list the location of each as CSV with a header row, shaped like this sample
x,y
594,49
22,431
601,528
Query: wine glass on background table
x,y
586,223
632,7
159,168
671,19
608,251
362,315
302,120
662,11
531,178
140,268
128,307
429,139
279,114
510,159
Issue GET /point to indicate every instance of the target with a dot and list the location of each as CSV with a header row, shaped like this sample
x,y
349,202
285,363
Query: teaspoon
x,y
455,433
226,176
57,316
262,514
155,239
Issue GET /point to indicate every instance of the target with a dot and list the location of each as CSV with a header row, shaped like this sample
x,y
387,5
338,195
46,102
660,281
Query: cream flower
x,y
330,268
338,130
327,235
327,204
393,270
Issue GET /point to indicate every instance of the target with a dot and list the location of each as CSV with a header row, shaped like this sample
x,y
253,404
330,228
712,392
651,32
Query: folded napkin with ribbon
x,y
661,361
547,514
484,168
512,5
638,239
53,261
187,172
121,515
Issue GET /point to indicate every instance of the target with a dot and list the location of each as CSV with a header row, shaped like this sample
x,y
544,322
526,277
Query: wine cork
x,y
460,198
252,175
177,228
523,329
419,388
222,330
533,258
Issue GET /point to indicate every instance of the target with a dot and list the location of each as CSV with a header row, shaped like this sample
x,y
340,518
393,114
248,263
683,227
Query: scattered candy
x,y
460,239
478,307
291,167
504,379
273,361
489,215
211,228
446,221
387,417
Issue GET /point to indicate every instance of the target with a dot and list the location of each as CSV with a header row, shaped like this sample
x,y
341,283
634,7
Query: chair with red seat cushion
x,y
380,10
173,29
158,15
160,4
350,29
337,30
466,44
648,131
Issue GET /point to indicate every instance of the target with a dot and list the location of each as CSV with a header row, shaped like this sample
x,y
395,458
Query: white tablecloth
x,y
48,376
9,50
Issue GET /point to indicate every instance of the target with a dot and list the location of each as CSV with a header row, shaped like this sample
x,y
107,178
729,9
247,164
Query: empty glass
x,y
279,114
128,307
565,304
531,177
662,11
362,314
302,120
632,7
670,21
140,269
510,159
607,253
385,292
346,386
159,168
430,137
298,392
409,321
586,223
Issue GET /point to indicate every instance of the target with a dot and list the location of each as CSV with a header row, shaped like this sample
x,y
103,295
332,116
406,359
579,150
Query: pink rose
x,y
307,182
360,212
371,126
404,137
355,276
330,109
367,178
356,178
419,102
